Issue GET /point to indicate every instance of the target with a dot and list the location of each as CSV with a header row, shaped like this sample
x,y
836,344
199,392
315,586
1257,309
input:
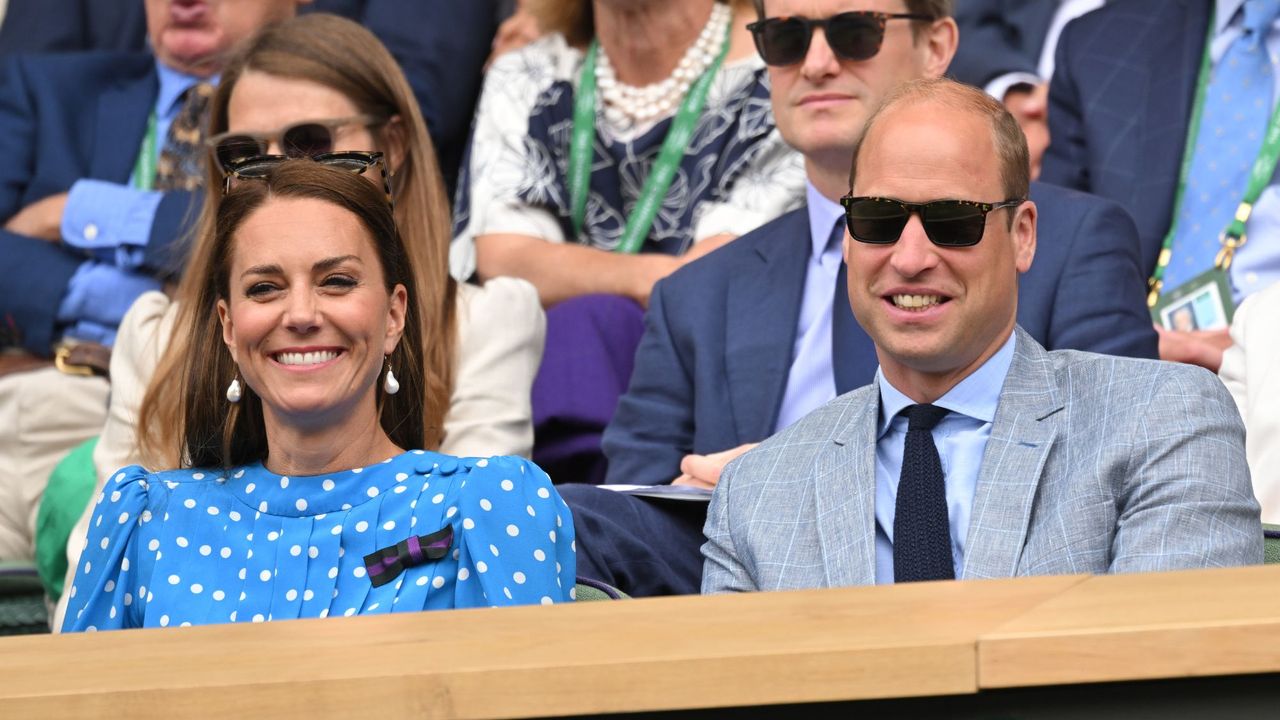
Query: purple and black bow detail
x,y
386,564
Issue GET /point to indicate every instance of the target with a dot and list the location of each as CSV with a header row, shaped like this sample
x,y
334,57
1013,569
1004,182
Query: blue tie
x,y
921,525
1237,107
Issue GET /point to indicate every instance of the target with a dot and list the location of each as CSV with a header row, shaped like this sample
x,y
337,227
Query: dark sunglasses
x,y
353,161
948,223
851,35
303,139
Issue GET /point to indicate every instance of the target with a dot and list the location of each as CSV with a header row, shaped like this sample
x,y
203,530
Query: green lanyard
x,y
1259,177
144,168
664,168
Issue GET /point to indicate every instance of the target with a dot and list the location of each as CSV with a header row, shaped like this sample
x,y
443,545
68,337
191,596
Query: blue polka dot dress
x,y
190,547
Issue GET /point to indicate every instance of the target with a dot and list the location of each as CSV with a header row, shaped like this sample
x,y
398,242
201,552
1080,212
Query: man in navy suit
x,y
83,233
743,342
1120,106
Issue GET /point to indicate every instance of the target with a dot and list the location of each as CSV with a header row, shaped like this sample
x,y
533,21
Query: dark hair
x,y
218,433
1006,135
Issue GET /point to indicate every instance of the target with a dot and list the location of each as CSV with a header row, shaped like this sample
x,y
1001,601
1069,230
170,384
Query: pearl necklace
x,y
628,107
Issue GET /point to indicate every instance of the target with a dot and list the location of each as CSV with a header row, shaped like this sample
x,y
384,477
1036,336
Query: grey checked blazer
x,y
1095,464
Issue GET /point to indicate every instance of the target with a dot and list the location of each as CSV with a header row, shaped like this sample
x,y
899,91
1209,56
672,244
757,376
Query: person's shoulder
x,y
1113,381
84,68
550,56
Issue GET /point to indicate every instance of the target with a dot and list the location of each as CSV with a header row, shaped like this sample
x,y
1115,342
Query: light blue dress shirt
x,y
1257,264
811,381
112,222
961,438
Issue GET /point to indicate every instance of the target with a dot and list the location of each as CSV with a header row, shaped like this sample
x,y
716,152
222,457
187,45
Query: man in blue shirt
x,y
85,231
743,343
976,453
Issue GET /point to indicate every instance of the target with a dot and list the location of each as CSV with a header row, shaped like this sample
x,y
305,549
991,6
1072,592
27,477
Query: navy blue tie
x,y
921,527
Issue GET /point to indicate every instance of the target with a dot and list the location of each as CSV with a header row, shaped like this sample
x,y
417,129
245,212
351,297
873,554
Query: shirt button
x,y
424,467
448,466
90,232
1251,277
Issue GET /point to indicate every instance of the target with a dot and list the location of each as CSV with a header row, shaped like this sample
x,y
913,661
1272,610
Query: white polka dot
x,y
258,618
308,595
481,567
197,588
233,616
539,555
529,509
333,573
262,506
105,542
324,612
174,579
284,482
271,536
213,510
346,506
373,607
111,585
552,535
164,621
372,492
112,614
337,530
291,595
512,530
389,525
124,565
482,462
546,600
421,581
146,516
182,542
218,595
400,489
189,503
507,591
296,550
468,523
362,526
359,571
437,499
235,516
413,521
518,577
463,574
225,553
128,599
265,575
544,493
328,485
313,552
124,518
494,549
115,496
247,488
197,476
358,470
248,554
242,573
508,485
437,582
573,593
348,612
119,478
243,594
451,512
401,477
206,550
485,504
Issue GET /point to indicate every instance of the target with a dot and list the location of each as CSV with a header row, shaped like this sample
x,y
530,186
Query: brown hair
x,y
218,433
341,55
1010,143
936,9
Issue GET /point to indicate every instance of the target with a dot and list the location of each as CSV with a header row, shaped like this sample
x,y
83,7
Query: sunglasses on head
x,y
303,139
948,223
851,35
353,161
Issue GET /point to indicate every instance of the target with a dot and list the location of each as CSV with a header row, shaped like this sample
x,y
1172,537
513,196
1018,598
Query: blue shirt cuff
x,y
109,220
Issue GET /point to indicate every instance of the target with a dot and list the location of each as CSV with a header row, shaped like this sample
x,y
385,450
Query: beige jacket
x,y
1251,371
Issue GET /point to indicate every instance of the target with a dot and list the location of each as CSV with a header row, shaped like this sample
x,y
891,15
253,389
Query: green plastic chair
x,y
588,590
22,608
1271,544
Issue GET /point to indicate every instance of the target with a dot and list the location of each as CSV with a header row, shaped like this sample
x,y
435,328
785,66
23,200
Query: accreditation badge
x,y
1202,303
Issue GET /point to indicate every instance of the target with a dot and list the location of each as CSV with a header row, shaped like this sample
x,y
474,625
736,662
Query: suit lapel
x,y
123,110
1021,436
763,306
853,354
845,494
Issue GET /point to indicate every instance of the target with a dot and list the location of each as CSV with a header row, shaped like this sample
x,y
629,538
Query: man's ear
x,y
228,328
1024,235
939,43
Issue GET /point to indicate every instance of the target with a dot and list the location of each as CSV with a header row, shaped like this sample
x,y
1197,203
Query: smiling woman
x,y
305,496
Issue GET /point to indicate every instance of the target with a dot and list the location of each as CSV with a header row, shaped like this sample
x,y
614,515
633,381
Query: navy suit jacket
x,y
998,37
64,117
713,363
1119,105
